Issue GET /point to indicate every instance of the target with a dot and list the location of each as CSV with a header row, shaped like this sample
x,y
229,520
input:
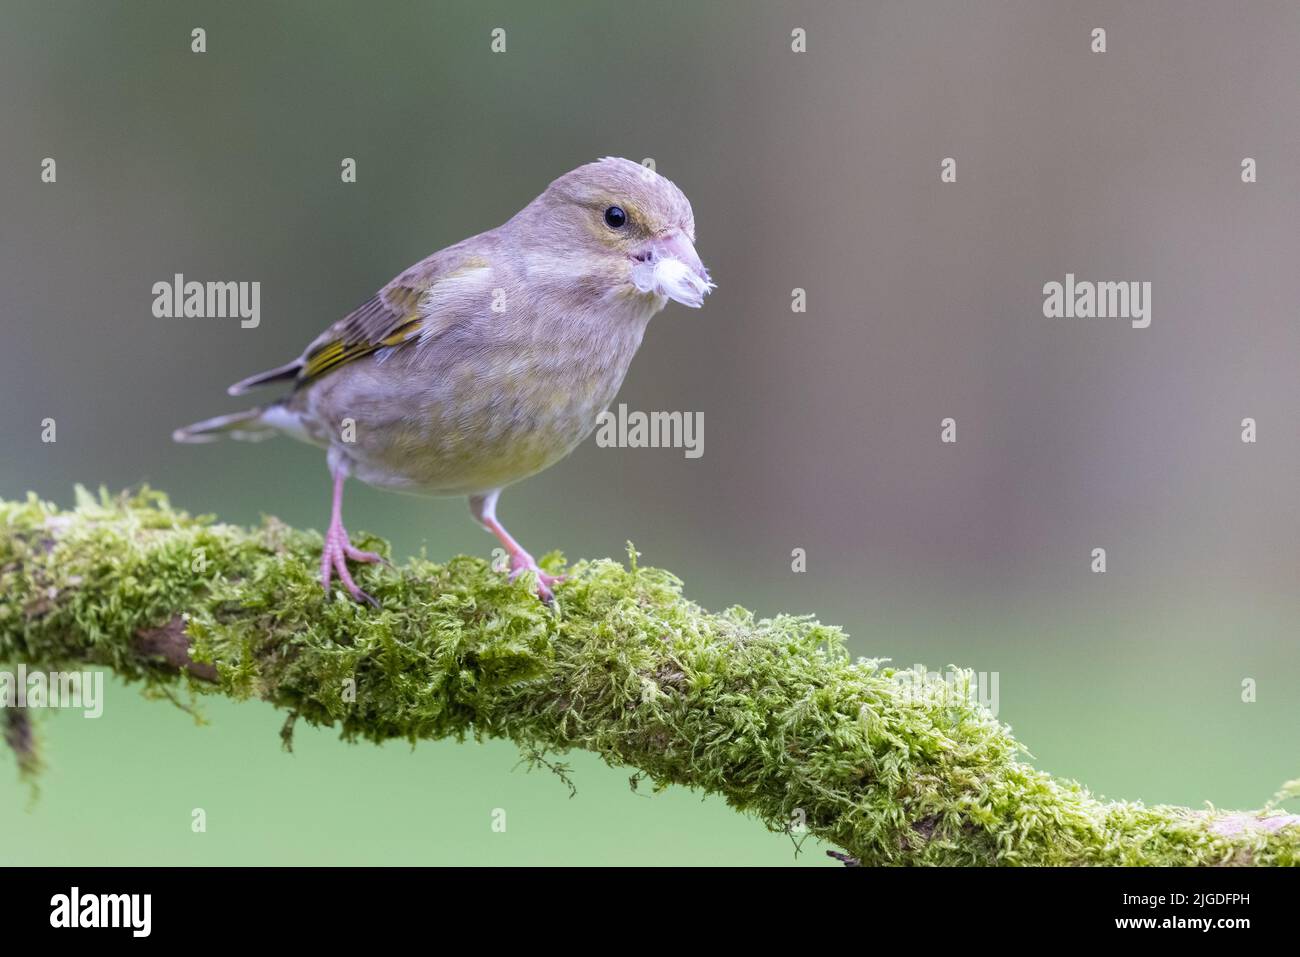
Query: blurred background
x,y
817,170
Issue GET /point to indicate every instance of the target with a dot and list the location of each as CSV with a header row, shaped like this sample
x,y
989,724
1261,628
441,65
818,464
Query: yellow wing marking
x,y
336,353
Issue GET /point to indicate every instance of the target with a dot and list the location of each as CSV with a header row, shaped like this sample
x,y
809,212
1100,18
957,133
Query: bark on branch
x,y
771,714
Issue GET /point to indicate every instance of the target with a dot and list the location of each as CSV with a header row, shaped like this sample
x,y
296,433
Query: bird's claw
x,y
357,555
334,559
519,564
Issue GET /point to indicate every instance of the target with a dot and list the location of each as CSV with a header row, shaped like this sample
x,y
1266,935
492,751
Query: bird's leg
x,y
338,549
484,509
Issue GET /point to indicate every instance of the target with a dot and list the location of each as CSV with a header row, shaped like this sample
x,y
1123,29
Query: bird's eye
x,y
615,217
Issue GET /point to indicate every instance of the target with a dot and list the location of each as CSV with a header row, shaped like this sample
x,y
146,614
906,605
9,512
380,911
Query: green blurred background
x,y
816,170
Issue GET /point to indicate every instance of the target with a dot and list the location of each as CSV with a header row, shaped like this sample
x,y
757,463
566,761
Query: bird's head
x,y
623,228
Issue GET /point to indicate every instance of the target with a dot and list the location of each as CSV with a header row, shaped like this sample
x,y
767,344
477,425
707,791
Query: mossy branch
x,y
771,714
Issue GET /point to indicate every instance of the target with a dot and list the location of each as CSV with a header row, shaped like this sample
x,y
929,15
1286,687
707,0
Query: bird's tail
x,y
247,425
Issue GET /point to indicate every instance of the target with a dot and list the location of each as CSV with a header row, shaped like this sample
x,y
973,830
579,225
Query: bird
x,y
489,360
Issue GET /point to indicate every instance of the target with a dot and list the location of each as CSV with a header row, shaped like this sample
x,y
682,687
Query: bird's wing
x,y
412,306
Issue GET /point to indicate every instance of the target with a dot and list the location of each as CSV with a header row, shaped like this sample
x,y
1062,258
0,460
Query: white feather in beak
x,y
670,267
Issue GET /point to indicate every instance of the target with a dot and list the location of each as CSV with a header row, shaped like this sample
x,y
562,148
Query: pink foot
x,y
484,509
521,562
334,558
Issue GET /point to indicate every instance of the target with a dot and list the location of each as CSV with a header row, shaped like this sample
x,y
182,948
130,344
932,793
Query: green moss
x,y
772,714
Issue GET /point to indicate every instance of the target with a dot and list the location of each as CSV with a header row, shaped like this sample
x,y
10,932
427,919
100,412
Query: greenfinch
x,y
491,359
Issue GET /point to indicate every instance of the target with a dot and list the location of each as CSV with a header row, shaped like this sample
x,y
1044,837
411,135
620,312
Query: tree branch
x,y
771,714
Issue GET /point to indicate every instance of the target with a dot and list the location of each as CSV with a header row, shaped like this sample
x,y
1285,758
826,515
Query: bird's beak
x,y
669,266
